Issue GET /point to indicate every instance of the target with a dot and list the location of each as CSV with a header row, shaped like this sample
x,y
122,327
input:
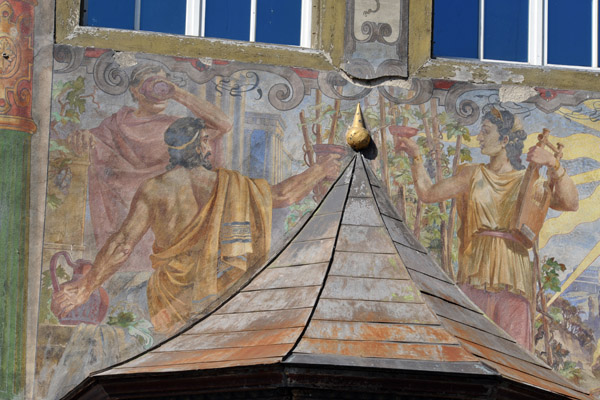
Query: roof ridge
x,y
314,307
352,287
365,199
234,290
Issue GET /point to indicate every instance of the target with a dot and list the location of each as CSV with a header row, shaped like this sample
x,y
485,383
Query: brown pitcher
x,y
91,312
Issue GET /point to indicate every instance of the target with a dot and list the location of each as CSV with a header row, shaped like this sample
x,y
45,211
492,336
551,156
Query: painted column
x,y
16,128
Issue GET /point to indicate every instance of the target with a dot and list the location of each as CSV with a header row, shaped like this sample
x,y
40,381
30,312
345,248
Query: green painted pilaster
x,y
14,212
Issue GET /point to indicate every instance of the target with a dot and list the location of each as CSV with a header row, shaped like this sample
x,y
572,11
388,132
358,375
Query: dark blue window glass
x,y
278,21
505,34
227,19
161,16
455,28
109,13
569,32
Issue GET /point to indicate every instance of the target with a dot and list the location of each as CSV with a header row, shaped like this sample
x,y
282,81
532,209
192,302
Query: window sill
x,y
328,22
503,73
195,47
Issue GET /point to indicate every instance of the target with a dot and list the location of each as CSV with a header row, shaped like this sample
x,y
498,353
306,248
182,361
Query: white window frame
x,y
196,12
537,46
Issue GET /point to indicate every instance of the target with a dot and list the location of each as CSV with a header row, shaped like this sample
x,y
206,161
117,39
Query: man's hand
x,y
331,165
296,187
81,140
70,296
540,156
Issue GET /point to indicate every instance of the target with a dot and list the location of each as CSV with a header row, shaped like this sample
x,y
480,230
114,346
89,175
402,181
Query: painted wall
x,y
275,139
282,128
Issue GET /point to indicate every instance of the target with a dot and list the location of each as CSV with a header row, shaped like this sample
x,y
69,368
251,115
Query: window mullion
x,y
137,13
545,38
481,28
203,18
252,20
193,17
306,24
594,33
536,32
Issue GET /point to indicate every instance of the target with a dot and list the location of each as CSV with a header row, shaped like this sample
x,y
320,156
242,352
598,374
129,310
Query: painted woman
x,y
494,268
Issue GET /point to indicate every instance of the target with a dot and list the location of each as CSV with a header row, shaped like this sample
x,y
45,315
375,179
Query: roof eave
x,y
285,379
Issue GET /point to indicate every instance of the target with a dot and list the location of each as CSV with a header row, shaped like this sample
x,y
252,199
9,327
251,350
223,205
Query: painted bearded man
x,y
128,147
209,227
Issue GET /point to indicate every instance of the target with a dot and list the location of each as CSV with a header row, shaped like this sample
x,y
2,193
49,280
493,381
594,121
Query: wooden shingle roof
x,y
352,307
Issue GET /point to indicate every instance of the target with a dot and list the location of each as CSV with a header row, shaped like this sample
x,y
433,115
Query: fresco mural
x,y
143,190
471,214
494,268
170,179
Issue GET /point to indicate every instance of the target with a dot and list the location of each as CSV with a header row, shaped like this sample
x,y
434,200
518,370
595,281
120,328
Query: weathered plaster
x,y
463,74
125,59
516,93
497,74
505,73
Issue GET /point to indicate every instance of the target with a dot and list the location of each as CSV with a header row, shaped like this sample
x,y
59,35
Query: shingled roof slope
x,y
353,289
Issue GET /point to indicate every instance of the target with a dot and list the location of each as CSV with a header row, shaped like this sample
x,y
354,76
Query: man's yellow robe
x,y
233,230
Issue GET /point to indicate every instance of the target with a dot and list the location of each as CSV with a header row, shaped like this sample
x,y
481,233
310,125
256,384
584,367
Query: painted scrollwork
x,y
109,76
236,89
373,10
376,32
70,55
391,68
360,68
286,95
465,111
283,95
331,82
4,106
387,25
23,93
196,70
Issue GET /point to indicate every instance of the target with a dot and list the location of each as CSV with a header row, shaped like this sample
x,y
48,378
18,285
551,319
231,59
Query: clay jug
x,y
91,312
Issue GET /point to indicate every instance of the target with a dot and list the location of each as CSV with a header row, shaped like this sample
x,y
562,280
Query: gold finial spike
x,y
357,135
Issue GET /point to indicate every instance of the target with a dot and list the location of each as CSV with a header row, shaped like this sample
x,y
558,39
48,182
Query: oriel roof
x,y
353,303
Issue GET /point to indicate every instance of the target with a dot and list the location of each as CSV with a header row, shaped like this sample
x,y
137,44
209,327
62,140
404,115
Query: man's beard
x,y
205,162
200,159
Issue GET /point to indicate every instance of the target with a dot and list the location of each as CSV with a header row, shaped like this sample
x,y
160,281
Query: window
x,y
270,21
537,32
